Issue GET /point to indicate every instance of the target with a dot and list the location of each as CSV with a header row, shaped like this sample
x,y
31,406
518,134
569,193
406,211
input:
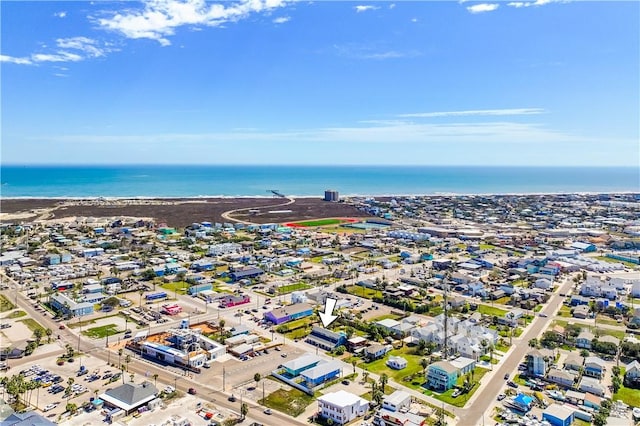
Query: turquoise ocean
x,y
245,180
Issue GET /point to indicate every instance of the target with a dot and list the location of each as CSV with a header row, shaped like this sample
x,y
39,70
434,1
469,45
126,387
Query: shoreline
x,y
261,197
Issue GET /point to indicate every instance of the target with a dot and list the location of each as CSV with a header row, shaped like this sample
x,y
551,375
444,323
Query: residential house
x,y
581,312
558,415
396,362
442,375
594,367
296,366
342,407
560,377
397,401
574,362
536,363
543,284
584,339
463,364
591,385
376,351
632,370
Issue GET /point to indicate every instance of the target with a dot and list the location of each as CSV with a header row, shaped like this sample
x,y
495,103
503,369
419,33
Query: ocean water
x,y
200,181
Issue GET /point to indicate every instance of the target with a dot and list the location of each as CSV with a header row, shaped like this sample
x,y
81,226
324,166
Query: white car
x,y
169,389
49,407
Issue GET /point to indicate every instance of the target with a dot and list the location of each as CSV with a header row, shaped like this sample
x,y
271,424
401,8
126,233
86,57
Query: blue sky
x,y
325,82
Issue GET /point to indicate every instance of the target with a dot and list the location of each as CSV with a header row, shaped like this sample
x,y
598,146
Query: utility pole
x,y
446,318
224,388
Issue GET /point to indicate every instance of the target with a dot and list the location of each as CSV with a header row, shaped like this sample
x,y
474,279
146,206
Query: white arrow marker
x,y
327,316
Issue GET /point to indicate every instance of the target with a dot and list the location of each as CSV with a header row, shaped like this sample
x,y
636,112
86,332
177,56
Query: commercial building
x,y
289,313
558,415
326,339
130,396
67,306
296,366
342,407
397,401
321,373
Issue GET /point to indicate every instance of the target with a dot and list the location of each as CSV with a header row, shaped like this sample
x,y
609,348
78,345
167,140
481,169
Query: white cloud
x,y
483,7
519,4
414,20
61,56
282,20
84,44
72,49
15,60
363,8
62,14
478,112
363,51
392,6
160,18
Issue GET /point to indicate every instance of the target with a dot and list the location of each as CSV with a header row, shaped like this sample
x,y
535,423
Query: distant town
x,y
451,310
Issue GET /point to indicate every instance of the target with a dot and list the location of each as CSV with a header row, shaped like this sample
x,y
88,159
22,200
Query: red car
x,y
61,327
191,391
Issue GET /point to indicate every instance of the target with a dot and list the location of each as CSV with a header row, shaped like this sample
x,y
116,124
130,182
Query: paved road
x,y
204,391
485,397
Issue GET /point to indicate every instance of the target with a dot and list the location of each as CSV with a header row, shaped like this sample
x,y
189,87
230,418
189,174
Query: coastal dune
x,y
179,212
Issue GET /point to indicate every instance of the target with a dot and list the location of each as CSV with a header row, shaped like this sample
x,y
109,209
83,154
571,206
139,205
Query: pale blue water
x,y
194,181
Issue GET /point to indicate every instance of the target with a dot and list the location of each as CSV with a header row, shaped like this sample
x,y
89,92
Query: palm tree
x,y
48,332
384,378
244,409
353,363
424,363
38,333
127,360
155,379
365,376
257,377
131,376
120,351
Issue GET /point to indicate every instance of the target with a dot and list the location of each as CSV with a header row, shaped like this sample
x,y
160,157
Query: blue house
x,y
326,339
246,273
67,306
558,415
442,375
321,373
298,365
202,265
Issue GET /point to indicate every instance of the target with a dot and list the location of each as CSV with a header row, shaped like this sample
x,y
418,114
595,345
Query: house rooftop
x,y
342,399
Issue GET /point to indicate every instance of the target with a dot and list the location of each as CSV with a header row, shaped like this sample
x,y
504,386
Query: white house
x,y
342,406
397,401
543,283
397,362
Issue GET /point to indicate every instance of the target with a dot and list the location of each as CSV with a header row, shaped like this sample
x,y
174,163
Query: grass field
x,y
491,311
178,286
611,260
318,222
367,293
102,331
292,402
385,316
33,325
5,304
413,366
628,396
285,289
16,314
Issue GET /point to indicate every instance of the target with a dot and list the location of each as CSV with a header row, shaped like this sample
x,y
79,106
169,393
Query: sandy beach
x,y
177,211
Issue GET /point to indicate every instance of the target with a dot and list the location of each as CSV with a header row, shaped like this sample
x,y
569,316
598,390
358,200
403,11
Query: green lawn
x,y
293,287
611,260
608,321
564,311
5,304
16,314
386,316
319,222
33,325
628,396
178,286
461,400
486,247
368,293
102,331
292,402
491,311
413,367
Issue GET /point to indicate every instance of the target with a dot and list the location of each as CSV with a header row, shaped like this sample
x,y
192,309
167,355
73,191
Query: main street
x,y
478,412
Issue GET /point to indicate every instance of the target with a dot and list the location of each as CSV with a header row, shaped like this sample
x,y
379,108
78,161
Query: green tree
x,y
155,379
244,409
257,377
353,363
424,363
48,332
37,334
71,408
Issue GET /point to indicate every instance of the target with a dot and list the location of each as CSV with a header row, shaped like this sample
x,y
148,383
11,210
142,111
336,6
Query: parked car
x,y
267,411
513,385
501,397
506,376
49,407
192,391
232,398
456,393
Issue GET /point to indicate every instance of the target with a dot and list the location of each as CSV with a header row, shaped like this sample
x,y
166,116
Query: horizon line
x,y
309,165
